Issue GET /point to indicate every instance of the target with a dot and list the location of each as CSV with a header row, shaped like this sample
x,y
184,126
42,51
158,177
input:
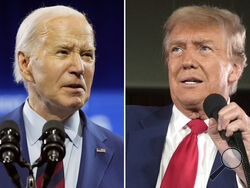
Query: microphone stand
x,y
30,182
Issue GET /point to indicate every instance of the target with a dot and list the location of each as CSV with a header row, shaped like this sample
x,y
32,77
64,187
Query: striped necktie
x,y
182,168
57,179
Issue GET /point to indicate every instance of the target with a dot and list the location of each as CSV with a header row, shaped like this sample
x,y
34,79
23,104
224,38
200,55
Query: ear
x,y
25,67
236,72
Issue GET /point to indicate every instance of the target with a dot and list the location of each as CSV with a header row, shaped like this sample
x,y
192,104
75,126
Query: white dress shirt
x,y
177,130
33,127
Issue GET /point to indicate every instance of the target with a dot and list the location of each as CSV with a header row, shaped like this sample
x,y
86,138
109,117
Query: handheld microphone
x,y
212,105
53,148
10,149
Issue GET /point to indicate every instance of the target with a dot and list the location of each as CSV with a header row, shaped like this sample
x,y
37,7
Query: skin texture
x,y
198,65
59,74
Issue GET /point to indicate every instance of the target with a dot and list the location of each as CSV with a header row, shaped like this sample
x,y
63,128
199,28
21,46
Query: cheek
x,y
172,70
89,74
222,72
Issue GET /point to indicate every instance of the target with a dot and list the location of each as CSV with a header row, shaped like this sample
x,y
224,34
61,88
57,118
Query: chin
x,y
74,103
190,101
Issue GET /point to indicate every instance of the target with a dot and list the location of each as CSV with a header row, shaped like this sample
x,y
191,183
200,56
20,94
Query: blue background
x,y
106,103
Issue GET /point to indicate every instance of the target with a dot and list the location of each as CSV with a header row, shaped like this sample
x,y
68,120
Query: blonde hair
x,y
31,31
236,32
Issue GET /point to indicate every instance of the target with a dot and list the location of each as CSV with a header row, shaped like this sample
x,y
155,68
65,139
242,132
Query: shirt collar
x,y
73,128
34,124
179,120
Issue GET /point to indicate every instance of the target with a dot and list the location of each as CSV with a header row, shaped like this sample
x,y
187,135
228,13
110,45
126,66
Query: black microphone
x,y
212,105
10,149
53,148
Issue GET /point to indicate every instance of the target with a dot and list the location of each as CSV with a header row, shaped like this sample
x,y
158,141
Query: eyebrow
x,y
203,41
180,42
71,46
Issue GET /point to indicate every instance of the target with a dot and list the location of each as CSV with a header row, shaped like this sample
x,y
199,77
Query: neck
x,y
48,111
192,112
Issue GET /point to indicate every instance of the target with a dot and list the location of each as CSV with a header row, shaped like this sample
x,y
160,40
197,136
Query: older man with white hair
x,y
55,59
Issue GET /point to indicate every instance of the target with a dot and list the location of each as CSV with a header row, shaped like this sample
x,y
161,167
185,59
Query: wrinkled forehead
x,y
198,32
72,22
74,28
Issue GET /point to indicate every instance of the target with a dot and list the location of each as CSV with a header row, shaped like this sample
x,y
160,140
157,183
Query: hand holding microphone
x,y
232,129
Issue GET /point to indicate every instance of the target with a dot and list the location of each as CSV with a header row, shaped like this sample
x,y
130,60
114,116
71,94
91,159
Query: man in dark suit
x,y
205,53
55,59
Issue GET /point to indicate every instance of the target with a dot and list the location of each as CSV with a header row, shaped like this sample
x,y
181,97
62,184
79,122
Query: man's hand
x,y
231,119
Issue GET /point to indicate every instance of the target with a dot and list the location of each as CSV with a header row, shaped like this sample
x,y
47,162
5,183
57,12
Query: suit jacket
x,y
97,170
146,129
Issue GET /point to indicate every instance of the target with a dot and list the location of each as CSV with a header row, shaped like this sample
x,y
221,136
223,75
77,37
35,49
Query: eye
x,y
62,52
206,48
87,55
176,50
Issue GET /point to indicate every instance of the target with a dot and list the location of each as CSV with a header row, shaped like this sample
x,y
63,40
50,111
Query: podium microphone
x,y
10,149
53,148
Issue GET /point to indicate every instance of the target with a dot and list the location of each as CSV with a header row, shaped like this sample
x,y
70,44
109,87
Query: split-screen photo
x,y
124,94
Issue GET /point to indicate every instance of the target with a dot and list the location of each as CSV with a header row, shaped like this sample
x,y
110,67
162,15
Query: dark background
x,y
105,15
106,104
146,73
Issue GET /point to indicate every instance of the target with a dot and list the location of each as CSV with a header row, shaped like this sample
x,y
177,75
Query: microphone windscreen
x,y
9,124
53,124
213,104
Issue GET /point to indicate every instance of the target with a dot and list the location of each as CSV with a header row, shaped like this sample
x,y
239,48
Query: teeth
x,y
190,82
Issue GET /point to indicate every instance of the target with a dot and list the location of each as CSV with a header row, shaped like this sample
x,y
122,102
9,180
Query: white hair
x,y
31,31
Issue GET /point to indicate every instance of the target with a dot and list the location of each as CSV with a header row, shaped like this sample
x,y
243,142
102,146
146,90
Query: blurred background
x,y
146,74
105,106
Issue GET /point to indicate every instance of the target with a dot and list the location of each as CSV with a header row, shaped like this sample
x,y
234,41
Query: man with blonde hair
x,y
178,145
55,59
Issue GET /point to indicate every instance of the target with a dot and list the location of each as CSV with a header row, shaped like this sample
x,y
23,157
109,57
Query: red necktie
x,y
57,180
182,168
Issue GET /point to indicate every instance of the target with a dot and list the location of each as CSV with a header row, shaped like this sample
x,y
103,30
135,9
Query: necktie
x,y
56,181
182,168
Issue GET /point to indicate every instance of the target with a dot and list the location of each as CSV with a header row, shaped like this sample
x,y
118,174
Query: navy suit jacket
x,y
146,129
97,170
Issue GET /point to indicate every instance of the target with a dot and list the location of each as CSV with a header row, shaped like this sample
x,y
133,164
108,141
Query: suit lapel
x,y
93,163
146,145
226,177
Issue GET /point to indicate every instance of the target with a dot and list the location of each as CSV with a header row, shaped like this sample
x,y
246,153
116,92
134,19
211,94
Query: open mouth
x,y
192,81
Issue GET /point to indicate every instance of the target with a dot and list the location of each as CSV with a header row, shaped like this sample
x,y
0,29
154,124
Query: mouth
x,y
191,81
75,86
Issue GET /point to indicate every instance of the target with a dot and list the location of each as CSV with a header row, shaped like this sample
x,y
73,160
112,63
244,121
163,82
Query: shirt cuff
x,y
239,182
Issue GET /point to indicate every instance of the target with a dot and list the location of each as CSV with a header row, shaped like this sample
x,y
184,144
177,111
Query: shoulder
x,y
135,114
109,134
141,111
15,115
101,134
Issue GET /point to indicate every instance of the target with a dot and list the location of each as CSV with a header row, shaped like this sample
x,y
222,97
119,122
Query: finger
x,y
234,126
212,126
230,114
229,107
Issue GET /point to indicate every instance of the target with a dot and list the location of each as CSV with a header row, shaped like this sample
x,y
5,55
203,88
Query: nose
x,y
189,60
77,65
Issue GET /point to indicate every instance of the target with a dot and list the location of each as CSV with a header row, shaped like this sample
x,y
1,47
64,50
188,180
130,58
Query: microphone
x,y
212,105
10,149
53,148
